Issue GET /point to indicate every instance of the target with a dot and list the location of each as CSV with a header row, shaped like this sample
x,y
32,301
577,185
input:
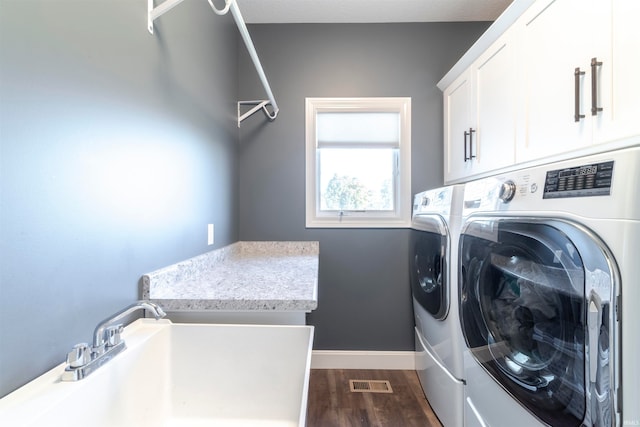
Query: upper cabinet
x,y
458,127
620,82
561,79
557,46
479,127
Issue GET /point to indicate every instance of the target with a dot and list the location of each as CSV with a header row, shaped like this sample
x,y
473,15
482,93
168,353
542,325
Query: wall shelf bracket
x,y
154,13
257,105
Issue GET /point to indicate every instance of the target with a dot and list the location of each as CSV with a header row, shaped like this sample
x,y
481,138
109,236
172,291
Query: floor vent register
x,y
370,386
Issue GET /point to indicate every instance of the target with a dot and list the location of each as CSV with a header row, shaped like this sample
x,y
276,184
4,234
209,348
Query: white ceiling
x,y
352,11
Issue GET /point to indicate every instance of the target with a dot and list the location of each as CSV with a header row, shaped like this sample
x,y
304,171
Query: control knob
x,y
507,191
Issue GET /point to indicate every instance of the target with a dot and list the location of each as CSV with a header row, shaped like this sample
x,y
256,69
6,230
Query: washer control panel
x,y
433,201
581,181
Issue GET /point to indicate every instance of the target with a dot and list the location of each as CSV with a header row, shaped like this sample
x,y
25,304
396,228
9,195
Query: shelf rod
x,y
237,16
154,13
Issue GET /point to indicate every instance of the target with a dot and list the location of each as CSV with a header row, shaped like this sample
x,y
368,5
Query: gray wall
x,y
364,296
116,149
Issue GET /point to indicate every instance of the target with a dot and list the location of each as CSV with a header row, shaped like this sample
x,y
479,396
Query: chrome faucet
x,y
107,342
104,334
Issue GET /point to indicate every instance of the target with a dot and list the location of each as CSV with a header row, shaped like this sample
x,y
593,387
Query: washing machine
x,y
433,275
549,287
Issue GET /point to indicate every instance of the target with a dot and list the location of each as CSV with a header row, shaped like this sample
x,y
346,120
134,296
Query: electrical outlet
x,y
210,234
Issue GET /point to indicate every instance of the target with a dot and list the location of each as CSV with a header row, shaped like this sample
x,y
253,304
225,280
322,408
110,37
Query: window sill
x,y
357,223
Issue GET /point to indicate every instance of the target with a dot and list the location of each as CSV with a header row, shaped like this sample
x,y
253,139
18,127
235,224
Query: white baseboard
x,y
338,359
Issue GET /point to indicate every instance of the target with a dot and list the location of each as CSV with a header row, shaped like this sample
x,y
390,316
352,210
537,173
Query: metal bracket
x,y
258,105
155,13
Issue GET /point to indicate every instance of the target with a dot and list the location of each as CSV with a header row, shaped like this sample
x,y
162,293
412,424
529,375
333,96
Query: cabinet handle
x,y
471,156
465,146
470,135
594,86
576,75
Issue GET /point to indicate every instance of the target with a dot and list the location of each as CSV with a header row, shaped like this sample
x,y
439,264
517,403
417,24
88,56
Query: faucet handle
x,y
80,355
112,335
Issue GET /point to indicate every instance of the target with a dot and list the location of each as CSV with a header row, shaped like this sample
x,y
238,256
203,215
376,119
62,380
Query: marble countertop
x,y
244,276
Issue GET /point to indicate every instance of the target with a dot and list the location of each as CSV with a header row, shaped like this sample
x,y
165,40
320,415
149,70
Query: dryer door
x,y
534,318
429,248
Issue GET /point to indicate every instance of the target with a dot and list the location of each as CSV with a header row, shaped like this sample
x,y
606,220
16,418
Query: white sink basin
x,y
175,374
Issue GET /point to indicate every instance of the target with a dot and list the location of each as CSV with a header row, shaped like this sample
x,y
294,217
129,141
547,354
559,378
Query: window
x,y
358,162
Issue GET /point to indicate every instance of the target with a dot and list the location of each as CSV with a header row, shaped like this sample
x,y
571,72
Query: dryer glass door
x,y
429,246
524,316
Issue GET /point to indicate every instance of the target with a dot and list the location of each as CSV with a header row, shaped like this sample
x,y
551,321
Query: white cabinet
x,y
562,80
619,80
556,45
581,87
479,126
495,104
457,126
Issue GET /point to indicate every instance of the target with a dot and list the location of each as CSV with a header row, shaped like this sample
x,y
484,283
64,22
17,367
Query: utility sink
x,y
174,374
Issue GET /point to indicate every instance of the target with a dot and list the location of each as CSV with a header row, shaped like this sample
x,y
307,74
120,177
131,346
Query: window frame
x,y
401,216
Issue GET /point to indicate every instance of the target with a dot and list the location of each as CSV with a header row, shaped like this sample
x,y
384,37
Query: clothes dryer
x,y
549,291
433,274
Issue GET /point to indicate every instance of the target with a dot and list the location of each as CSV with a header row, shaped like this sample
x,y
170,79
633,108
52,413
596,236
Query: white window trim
x,y
401,218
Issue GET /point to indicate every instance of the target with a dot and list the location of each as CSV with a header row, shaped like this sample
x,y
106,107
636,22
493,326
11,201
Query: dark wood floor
x,y
332,404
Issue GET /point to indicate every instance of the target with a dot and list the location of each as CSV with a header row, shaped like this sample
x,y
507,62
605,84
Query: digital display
x,y
581,181
585,170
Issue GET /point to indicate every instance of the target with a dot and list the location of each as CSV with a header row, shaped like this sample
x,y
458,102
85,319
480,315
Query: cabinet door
x,y
555,40
457,121
619,75
495,105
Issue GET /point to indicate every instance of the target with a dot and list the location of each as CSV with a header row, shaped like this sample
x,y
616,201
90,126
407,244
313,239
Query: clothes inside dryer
x,y
523,306
428,271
